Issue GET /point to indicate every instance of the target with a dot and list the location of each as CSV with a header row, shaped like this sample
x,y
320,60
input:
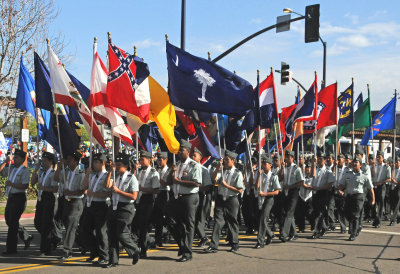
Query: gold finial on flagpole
x,y
234,72
109,35
272,70
95,39
209,55
47,41
166,37
258,72
134,51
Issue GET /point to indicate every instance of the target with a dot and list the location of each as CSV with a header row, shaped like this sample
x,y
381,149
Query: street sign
x,y
25,135
283,23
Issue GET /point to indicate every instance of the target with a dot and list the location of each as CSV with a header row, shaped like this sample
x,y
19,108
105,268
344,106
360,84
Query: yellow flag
x,y
162,112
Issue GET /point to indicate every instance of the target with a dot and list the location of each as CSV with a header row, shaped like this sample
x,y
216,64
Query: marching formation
x,y
114,204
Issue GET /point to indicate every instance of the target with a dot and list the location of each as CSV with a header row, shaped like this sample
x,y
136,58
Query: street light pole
x,y
324,64
183,24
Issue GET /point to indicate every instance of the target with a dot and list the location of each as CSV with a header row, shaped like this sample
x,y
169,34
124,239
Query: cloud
x,y
355,41
255,21
354,18
147,43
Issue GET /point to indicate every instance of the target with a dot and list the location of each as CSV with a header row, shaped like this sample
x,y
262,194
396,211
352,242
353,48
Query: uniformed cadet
x,y
353,184
230,185
185,180
94,222
73,195
395,192
47,199
249,201
322,184
268,186
381,175
339,194
162,197
292,179
149,183
304,208
16,185
348,160
330,215
204,199
120,215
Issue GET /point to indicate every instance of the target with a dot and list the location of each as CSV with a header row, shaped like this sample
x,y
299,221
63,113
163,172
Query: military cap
x,y
230,154
359,150
330,154
162,154
145,154
357,159
341,156
289,153
320,154
122,158
20,153
266,158
371,156
308,163
48,155
348,156
100,157
77,155
390,160
380,153
197,151
185,144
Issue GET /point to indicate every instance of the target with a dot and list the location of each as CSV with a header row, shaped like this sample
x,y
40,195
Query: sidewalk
x,y
31,203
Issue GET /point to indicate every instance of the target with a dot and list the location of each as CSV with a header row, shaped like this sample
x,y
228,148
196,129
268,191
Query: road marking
x,y
380,232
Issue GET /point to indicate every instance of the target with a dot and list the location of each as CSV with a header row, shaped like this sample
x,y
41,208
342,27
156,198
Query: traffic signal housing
x,y
285,74
311,33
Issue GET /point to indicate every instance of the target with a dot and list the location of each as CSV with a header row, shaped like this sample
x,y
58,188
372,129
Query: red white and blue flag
x,y
268,103
127,83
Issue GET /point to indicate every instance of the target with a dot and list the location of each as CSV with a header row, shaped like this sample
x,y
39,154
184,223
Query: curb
x,y
23,216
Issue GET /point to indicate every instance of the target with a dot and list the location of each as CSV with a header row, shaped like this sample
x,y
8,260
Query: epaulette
x,y
192,163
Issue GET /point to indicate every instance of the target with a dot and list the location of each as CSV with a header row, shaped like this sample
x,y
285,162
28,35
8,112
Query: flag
x,y
285,115
44,97
198,84
186,121
327,108
162,112
66,93
128,85
26,88
385,119
268,103
345,103
98,101
362,119
358,101
69,138
305,110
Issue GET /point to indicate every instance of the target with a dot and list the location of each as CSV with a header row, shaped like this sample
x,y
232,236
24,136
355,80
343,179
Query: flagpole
x,y
57,122
219,147
395,127
370,121
137,152
352,136
12,141
37,135
276,142
279,123
91,115
259,124
302,146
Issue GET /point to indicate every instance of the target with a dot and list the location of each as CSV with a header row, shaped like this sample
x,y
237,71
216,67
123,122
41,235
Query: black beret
x,y
100,157
198,151
380,153
20,153
289,153
359,150
48,155
341,155
122,158
357,159
231,154
186,144
348,156
266,158
162,154
77,155
371,156
145,154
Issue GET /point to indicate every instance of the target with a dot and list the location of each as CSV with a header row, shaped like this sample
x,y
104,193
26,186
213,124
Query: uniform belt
x,y
183,195
72,199
227,197
17,194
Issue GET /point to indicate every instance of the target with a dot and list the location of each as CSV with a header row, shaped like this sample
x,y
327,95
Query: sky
x,y
363,39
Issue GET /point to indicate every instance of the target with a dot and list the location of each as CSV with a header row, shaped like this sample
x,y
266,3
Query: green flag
x,y
362,119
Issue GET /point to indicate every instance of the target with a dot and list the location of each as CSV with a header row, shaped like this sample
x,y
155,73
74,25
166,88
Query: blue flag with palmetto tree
x,y
199,84
385,119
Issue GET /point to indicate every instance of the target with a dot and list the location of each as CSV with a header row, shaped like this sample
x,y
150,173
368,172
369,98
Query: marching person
x,y
353,183
381,175
330,214
120,215
292,179
185,179
94,222
73,195
268,187
46,205
230,185
16,186
149,183
395,192
304,208
339,194
162,197
322,185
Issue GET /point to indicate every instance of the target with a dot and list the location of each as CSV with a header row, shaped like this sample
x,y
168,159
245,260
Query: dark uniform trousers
x,y
119,231
263,220
159,214
57,230
395,203
290,202
94,229
72,212
201,214
330,218
15,206
142,219
320,203
304,211
340,204
249,209
354,204
226,212
44,219
377,211
182,213
278,210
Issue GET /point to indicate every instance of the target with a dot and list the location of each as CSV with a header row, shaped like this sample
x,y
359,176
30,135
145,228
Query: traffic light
x,y
312,24
285,74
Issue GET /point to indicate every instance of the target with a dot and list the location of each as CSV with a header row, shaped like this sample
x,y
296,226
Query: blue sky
x,y
363,39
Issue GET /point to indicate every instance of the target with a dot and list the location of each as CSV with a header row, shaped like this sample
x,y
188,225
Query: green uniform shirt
x,y
163,173
354,182
22,177
205,176
97,183
236,181
129,185
73,182
188,171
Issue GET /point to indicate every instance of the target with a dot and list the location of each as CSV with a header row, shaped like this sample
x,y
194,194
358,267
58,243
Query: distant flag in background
x,y
345,103
268,103
26,87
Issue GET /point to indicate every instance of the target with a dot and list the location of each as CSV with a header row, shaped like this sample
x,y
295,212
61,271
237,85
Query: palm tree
x,y
205,80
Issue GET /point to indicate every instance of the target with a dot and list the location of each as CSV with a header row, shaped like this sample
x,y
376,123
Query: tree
x,y
205,80
24,24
